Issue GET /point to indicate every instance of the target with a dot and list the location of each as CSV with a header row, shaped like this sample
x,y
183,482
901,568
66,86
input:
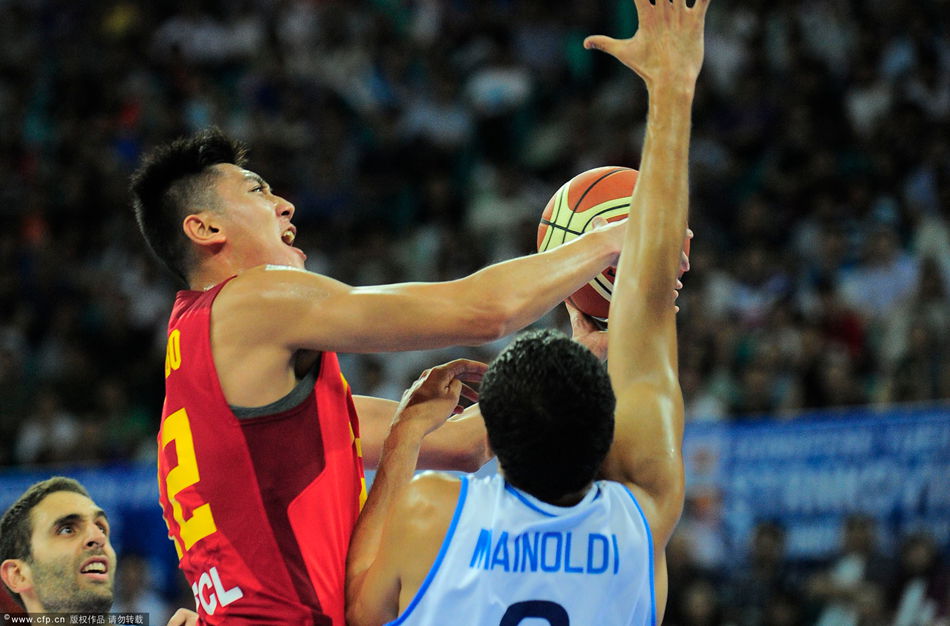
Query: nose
x,y
284,207
96,537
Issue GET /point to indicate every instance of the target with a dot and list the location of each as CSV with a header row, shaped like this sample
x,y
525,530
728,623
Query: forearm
x,y
661,198
397,464
647,270
460,444
527,287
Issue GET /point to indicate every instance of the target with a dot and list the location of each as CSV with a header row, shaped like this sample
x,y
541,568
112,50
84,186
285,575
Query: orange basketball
x,y
604,192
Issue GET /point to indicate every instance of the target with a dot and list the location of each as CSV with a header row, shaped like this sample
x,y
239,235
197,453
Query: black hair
x,y
171,179
16,527
549,410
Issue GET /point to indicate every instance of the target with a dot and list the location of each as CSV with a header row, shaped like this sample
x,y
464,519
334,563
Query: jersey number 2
x,y
553,612
177,428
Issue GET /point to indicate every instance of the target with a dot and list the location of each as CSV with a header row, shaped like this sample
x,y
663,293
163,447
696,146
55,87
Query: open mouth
x,y
288,236
96,568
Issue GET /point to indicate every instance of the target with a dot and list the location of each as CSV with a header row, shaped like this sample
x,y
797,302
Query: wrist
x,y
673,88
405,429
608,245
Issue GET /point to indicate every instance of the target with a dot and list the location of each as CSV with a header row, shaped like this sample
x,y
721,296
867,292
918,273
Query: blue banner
x,y
810,473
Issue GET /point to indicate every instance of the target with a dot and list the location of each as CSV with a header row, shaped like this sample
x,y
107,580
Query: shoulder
x,y
278,289
428,502
271,281
429,489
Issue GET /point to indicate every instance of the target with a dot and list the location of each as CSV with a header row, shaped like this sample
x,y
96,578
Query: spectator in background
x,y
885,277
135,592
845,590
916,341
49,434
921,584
701,605
761,578
684,573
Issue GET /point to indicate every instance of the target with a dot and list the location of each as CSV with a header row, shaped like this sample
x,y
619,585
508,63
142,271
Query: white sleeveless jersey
x,y
510,559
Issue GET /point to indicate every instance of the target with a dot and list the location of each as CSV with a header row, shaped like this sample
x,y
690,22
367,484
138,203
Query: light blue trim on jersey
x,y
525,501
538,506
463,491
646,525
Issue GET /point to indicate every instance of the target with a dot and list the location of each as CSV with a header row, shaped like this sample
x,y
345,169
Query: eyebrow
x,y
256,178
75,517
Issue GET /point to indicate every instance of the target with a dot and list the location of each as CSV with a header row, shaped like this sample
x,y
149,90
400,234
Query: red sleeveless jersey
x,y
260,509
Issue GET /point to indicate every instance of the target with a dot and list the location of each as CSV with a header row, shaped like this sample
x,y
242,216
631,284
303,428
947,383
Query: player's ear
x,y
16,574
203,228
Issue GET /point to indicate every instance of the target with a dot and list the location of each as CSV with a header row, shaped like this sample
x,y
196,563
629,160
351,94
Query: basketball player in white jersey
x,y
574,529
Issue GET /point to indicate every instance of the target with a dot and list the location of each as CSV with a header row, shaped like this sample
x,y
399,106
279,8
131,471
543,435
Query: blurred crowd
x,y
861,584
420,139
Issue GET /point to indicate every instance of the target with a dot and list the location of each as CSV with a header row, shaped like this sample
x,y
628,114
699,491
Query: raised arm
x,y
306,311
667,51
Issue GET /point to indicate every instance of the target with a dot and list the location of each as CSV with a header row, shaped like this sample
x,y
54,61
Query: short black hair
x,y
548,407
171,178
16,527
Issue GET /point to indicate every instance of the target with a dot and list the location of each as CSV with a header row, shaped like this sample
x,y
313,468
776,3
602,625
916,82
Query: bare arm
x,y
667,52
305,311
372,583
460,444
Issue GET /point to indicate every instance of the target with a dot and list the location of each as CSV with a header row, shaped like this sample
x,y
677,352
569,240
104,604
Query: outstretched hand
x,y
436,395
667,45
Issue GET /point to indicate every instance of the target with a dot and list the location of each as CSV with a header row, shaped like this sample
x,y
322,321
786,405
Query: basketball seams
x,y
559,227
563,202
594,184
606,287
612,200
557,203
607,210
583,195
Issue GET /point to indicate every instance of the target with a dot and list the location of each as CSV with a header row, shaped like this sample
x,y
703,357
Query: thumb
x,y
602,43
598,222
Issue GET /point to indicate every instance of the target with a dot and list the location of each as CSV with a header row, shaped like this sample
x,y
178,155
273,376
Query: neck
x,y
206,277
569,499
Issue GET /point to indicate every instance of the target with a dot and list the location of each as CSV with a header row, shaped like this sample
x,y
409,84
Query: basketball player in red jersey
x,y
260,470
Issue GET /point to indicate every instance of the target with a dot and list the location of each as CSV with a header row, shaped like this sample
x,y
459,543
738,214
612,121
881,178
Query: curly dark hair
x,y
172,178
15,525
549,410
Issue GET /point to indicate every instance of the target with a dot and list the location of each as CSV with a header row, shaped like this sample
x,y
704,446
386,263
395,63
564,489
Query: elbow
x,y
468,458
677,499
475,457
353,617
